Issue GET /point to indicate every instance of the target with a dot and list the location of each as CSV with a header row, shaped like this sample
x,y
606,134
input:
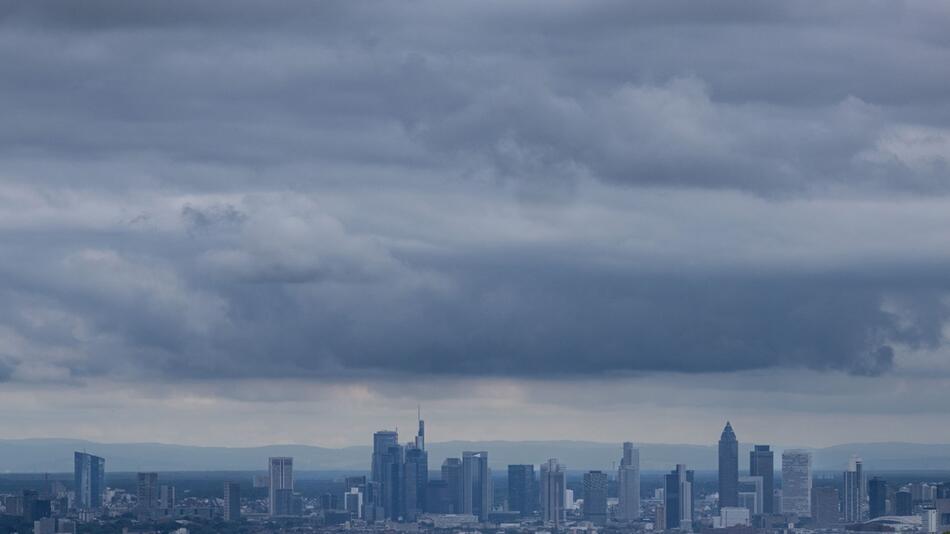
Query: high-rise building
x,y
877,497
904,503
89,480
166,496
452,475
824,507
762,464
232,501
553,486
796,483
853,495
628,484
521,489
280,493
751,495
147,491
595,497
476,484
392,493
353,502
679,498
382,441
416,473
728,468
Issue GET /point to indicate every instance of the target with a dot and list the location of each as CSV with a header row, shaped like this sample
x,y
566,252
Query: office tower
x,y
476,485
728,468
437,497
416,473
679,498
382,441
452,475
628,480
659,522
751,495
595,497
553,486
521,489
392,494
877,497
281,476
89,480
824,508
904,503
762,464
166,496
353,502
731,516
232,501
853,496
942,506
147,491
796,483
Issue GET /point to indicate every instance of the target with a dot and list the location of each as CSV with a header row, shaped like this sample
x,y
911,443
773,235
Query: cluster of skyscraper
x,y
399,487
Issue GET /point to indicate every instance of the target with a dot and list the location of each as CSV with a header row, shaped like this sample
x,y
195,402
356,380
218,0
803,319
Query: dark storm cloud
x,y
325,189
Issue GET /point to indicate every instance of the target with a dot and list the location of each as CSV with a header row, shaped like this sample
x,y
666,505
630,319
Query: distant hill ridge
x,y
56,455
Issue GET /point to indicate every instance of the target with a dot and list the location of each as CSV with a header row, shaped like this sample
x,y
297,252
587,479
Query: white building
x,y
928,521
730,516
281,475
796,483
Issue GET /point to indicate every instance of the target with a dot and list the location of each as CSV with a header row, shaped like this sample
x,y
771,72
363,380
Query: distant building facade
x,y
595,497
628,484
281,485
728,468
762,464
796,483
89,480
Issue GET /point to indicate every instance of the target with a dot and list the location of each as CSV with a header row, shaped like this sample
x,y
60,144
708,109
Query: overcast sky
x,y
241,223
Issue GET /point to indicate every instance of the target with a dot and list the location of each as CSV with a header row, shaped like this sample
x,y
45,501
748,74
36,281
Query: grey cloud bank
x,y
338,191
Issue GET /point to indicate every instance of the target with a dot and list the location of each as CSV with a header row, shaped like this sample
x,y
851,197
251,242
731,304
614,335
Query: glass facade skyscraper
x,y
728,468
89,480
762,464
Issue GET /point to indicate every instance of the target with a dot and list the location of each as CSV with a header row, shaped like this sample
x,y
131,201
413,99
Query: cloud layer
x,y
342,191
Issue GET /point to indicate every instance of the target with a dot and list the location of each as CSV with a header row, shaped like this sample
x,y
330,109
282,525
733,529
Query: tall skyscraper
x,y
762,464
281,475
728,468
476,484
628,480
391,487
147,491
796,483
521,489
679,498
452,475
877,497
382,441
89,480
853,495
232,501
416,472
595,497
553,485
